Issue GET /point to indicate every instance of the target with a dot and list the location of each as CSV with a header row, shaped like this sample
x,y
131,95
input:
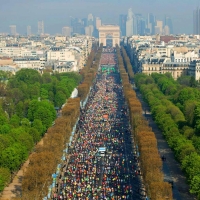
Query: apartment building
x,y
176,57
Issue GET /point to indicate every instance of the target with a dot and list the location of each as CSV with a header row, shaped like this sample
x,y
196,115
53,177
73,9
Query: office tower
x,y
85,22
139,25
90,20
159,27
196,21
168,22
166,30
66,31
129,23
77,26
90,25
89,30
13,30
151,23
122,24
40,28
28,30
96,27
98,23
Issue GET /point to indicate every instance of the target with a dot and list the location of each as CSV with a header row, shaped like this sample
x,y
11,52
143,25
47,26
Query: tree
x,y
37,124
195,185
5,129
23,138
45,116
35,134
4,177
15,121
12,156
60,98
193,82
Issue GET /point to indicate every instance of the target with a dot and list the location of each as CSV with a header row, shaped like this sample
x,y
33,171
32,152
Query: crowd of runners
x,y
108,56
102,164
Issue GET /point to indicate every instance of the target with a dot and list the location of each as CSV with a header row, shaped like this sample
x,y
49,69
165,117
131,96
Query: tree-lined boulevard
x,y
112,152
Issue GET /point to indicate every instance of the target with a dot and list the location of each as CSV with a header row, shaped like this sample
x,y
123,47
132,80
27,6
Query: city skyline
x,y
57,15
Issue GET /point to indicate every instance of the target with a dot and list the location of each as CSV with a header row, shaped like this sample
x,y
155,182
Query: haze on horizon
x,y
56,13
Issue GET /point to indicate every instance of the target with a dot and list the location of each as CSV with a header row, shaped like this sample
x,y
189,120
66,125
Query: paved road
x,y
90,173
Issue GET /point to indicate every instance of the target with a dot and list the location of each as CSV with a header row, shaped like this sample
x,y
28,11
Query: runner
x,y
102,163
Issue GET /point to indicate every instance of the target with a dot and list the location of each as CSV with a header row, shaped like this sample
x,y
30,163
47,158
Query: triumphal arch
x,y
111,31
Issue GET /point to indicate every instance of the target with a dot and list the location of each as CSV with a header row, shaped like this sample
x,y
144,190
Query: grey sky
x,y
56,13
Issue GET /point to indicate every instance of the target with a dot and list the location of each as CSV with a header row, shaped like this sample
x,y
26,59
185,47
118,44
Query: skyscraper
x,y
90,20
28,30
168,22
98,23
151,23
66,31
159,27
196,21
139,25
89,30
129,23
40,28
77,25
122,24
13,30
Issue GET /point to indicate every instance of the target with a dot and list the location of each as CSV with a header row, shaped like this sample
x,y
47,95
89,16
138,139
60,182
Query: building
x,y
169,24
90,20
13,30
178,55
66,31
159,27
30,63
139,25
98,23
77,26
96,27
166,30
196,21
151,23
41,28
129,23
122,24
89,30
28,30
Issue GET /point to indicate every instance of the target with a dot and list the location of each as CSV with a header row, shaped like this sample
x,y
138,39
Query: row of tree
x,y
127,63
48,153
144,141
89,72
26,112
38,175
173,124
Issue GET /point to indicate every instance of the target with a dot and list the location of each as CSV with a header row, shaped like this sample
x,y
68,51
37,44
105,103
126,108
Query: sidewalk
x,y
171,168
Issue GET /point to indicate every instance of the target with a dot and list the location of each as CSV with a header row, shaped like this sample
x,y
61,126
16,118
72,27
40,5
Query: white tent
x,y
74,94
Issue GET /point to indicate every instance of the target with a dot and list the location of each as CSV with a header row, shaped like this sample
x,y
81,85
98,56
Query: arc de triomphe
x,y
110,30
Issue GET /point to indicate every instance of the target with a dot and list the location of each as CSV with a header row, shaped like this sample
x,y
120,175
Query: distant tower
x,y
40,27
90,20
122,24
196,21
98,22
151,23
66,31
168,22
129,23
13,30
28,30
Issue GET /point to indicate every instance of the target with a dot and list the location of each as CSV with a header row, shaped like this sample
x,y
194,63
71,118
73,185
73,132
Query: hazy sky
x,y
56,13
